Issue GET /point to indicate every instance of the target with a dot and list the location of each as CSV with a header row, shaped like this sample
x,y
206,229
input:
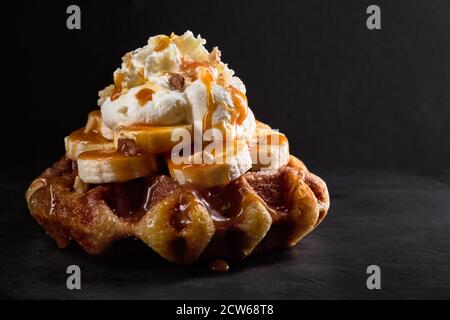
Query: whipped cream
x,y
150,68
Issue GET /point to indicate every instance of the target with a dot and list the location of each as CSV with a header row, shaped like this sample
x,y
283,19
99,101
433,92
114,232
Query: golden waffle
x,y
257,211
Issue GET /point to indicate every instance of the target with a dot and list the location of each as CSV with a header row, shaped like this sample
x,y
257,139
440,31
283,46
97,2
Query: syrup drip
x,y
207,78
219,266
240,105
238,113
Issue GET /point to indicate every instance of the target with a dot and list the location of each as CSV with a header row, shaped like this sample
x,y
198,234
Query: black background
x,y
346,96
369,111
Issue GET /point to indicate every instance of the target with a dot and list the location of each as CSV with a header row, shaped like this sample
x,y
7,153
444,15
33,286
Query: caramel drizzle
x,y
238,113
92,136
227,213
189,66
163,43
207,78
240,105
144,95
118,80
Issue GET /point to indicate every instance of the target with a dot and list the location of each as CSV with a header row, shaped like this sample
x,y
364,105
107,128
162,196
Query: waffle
x,y
258,211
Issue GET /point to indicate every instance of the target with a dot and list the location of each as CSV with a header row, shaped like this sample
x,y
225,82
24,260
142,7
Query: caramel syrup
x,y
219,265
106,154
132,199
163,43
92,136
144,95
207,78
118,80
240,105
116,93
238,113
190,65
223,203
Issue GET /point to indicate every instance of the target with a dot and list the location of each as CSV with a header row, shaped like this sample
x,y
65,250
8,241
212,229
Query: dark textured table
x,y
398,221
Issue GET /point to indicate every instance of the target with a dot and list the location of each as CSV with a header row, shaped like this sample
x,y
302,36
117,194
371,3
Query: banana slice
x,y
81,141
152,139
269,149
104,166
219,170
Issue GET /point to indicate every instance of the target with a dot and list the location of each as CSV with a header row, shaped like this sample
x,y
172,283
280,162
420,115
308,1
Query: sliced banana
x,y
217,170
152,139
104,166
80,141
269,149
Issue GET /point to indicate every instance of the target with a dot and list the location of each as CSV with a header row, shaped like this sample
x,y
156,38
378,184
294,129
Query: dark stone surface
x,y
398,221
